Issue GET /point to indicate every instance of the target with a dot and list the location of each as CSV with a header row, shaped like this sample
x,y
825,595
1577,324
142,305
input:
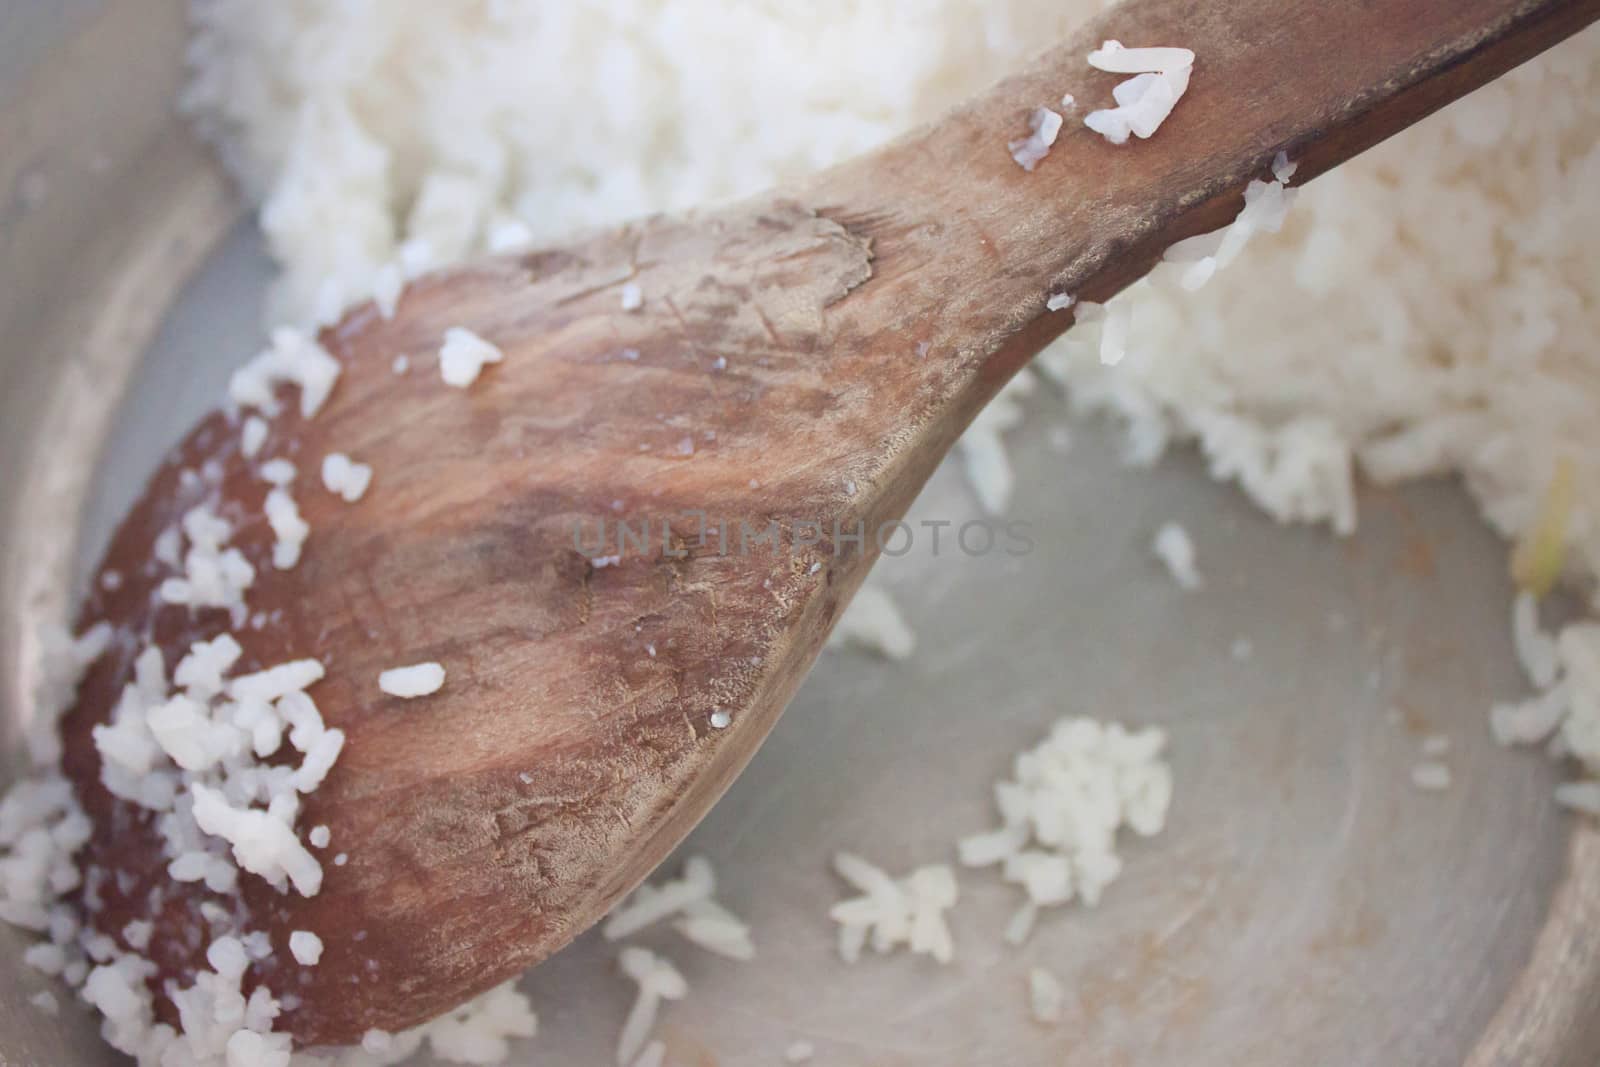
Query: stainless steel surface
x,y
105,208
1306,905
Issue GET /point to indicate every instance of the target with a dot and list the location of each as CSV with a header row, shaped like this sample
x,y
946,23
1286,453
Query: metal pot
x,y
1306,903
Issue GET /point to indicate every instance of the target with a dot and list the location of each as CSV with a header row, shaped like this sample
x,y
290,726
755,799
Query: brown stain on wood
x,y
461,874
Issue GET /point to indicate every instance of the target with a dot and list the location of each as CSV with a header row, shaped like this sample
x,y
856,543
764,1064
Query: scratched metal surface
x,y
1306,904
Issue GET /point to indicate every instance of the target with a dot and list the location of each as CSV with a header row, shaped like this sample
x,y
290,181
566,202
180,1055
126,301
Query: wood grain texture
x,y
571,747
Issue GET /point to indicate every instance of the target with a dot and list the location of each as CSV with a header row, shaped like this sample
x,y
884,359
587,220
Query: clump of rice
x,y
894,912
289,530
189,750
1266,207
1061,811
658,980
1564,670
1160,78
346,477
293,358
690,903
214,575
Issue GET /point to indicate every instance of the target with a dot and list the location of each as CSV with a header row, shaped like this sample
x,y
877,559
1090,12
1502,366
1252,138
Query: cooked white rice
x,y
1044,126
690,901
1061,811
799,1052
1175,549
346,477
305,947
463,356
416,680
1046,996
891,913
1431,776
657,980
1144,101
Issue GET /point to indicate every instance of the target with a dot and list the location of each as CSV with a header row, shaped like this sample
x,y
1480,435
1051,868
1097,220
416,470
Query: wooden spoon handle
x,y
961,231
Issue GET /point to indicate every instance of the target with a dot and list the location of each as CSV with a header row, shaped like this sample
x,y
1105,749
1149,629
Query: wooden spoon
x,y
805,357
